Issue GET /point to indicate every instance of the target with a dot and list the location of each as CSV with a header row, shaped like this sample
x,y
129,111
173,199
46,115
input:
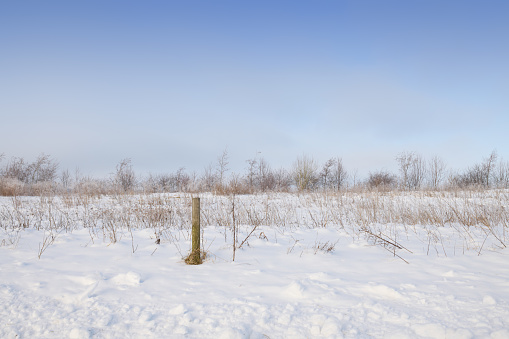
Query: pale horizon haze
x,y
173,84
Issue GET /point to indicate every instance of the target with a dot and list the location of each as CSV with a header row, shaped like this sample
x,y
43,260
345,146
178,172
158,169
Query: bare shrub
x,y
175,182
43,188
181,180
266,180
92,187
283,180
235,185
477,175
381,180
208,180
158,183
125,179
472,177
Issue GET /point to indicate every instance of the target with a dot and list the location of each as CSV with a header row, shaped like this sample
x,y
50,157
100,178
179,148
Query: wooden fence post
x,y
195,256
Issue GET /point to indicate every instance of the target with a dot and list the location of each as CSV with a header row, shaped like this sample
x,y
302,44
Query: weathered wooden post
x,y
195,256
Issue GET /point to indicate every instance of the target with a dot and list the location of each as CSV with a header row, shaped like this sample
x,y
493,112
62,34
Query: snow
x,y
282,284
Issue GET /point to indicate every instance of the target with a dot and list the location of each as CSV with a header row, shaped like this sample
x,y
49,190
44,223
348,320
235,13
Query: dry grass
x,y
480,218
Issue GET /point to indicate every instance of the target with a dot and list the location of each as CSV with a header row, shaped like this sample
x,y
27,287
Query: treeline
x,y
43,176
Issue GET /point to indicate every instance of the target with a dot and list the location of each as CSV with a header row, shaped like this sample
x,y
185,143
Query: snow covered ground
x,y
294,282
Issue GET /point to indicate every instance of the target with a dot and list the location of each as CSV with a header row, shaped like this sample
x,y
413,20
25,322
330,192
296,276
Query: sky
x,y
173,84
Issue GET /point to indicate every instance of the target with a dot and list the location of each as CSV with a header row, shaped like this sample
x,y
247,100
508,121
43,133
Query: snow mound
x,y
129,279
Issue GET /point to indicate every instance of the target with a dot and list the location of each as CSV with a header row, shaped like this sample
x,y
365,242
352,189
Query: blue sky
x,y
171,84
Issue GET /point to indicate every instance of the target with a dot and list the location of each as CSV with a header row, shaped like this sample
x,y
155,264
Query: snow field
x,y
282,284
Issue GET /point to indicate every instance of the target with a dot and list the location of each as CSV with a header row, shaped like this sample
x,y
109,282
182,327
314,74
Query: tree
x,y
65,178
43,169
412,168
17,169
418,172
251,173
339,174
326,173
502,176
333,174
222,166
436,170
488,167
260,176
304,173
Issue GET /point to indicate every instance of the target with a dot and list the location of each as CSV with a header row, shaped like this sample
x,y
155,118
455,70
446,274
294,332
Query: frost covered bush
x,y
21,177
305,173
124,179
